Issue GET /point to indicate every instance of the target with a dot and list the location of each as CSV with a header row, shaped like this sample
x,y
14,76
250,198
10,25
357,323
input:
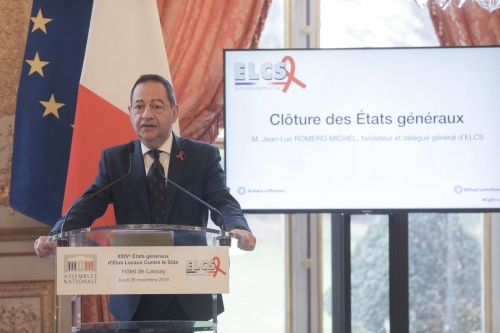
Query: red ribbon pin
x,y
181,155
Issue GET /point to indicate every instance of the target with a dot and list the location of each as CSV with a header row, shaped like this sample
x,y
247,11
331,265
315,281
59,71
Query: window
x,y
257,299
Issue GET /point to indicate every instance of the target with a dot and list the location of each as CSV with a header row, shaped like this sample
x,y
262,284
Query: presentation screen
x,y
414,129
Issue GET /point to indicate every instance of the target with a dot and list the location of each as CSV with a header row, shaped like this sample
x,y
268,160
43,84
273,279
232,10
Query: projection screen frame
x,y
366,210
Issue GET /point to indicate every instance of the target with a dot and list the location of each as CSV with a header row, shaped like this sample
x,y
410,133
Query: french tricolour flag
x,y
74,106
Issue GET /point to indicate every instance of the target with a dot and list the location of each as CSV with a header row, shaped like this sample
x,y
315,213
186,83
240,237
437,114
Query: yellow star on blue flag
x,y
37,65
46,104
39,22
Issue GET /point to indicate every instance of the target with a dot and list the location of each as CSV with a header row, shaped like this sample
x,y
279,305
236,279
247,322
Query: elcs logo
x,y
267,71
204,267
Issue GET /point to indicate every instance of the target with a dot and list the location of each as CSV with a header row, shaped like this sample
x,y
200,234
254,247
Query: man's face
x,y
151,113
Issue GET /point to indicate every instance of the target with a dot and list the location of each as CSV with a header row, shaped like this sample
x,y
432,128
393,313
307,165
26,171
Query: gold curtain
x,y
95,309
195,34
470,25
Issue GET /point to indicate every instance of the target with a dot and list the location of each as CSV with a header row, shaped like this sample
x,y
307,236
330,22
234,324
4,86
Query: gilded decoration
x,y
14,18
5,171
27,307
14,15
22,319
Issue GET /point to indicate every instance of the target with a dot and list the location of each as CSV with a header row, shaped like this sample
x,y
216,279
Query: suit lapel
x,y
139,175
175,168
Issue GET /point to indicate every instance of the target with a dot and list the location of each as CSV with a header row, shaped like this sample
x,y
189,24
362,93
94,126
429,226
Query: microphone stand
x,y
131,150
223,240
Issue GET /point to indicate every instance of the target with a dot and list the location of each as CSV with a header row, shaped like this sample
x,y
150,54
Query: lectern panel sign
x,y
142,270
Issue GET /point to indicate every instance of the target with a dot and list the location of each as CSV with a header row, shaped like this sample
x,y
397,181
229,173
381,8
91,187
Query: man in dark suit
x,y
191,164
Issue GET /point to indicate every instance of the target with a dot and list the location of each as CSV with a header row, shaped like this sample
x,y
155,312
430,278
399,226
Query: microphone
x,y
224,241
131,150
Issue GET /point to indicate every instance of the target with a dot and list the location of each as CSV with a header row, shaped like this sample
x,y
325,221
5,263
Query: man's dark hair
x,y
157,78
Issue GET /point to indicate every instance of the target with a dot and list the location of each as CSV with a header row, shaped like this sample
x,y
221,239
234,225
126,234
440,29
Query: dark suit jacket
x,y
198,171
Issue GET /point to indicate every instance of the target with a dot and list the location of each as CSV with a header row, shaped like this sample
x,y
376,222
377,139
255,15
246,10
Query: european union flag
x,y
46,105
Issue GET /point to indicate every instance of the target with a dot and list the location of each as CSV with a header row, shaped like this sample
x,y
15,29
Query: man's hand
x,y
43,250
246,240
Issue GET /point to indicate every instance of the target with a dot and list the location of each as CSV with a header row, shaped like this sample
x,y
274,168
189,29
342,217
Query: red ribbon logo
x,y
181,154
217,267
290,75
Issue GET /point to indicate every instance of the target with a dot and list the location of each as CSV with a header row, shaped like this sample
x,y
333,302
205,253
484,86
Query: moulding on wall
x,y
27,305
21,234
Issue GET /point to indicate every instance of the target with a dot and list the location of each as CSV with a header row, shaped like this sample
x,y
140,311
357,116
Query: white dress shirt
x,y
165,148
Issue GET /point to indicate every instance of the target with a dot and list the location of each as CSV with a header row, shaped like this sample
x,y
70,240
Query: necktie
x,y
157,190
